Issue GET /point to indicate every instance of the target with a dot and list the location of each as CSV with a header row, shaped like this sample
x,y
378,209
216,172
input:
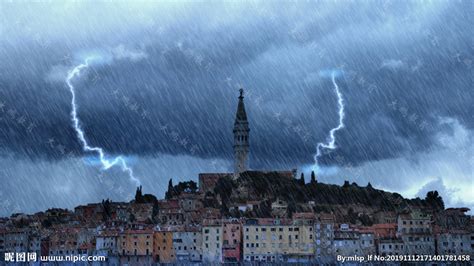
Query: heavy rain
x,y
160,96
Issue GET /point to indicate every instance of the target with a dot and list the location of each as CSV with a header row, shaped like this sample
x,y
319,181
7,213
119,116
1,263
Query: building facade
x,y
278,240
212,240
163,249
187,243
232,240
136,246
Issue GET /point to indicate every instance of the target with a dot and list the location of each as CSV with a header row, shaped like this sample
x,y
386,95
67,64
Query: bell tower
x,y
241,137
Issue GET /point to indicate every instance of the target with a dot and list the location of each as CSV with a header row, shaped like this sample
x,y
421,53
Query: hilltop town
x,y
243,216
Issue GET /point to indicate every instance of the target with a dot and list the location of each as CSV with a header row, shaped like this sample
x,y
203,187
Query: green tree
x,y
224,187
434,200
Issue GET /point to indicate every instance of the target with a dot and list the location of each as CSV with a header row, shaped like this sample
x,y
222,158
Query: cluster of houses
x,y
183,230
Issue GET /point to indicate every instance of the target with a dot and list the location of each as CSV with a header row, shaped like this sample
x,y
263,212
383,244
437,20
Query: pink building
x,y
232,245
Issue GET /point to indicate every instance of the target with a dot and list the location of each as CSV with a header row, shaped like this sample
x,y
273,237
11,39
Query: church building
x,y
241,148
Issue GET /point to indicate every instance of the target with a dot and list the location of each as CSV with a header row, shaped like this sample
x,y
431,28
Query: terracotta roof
x,y
384,226
168,204
139,231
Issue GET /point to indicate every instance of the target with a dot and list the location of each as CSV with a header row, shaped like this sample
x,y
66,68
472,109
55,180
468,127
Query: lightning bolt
x,y
106,164
331,144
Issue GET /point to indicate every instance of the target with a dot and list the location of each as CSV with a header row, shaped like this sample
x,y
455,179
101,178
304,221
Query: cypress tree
x,y
313,178
170,193
302,179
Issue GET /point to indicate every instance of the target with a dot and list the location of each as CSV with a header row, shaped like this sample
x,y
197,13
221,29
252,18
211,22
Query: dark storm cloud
x,y
405,65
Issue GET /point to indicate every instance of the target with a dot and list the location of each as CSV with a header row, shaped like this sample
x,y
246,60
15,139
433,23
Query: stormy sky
x,y
164,90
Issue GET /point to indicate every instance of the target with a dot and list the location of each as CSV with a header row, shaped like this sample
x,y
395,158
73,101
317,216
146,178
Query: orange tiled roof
x,y
168,204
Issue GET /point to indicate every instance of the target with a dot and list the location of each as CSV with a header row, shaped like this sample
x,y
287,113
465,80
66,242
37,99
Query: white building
x,y
187,243
212,240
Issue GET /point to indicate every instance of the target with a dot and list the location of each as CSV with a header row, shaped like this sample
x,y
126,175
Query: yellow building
x,y
277,240
136,246
163,251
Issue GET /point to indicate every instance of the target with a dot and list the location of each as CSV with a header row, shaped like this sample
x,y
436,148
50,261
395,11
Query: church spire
x,y
241,114
241,137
